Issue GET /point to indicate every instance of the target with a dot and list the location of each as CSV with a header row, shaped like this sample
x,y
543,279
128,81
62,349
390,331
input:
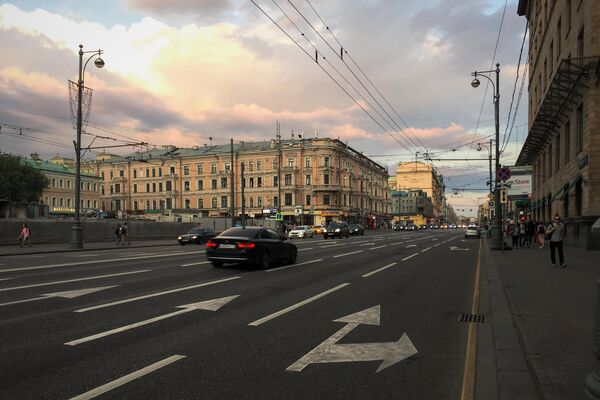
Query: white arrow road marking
x,y
197,263
409,257
330,351
295,306
71,294
347,254
457,248
378,270
127,378
293,265
72,280
209,305
410,245
147,296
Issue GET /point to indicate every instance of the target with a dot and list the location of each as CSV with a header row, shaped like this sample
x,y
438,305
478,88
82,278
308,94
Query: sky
x,y
195,72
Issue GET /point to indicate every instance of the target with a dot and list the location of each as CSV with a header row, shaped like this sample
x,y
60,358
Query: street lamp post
x,y
497,240
76,237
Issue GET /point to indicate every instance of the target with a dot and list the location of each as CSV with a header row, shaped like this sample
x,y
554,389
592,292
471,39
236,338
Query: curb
x,y
85,249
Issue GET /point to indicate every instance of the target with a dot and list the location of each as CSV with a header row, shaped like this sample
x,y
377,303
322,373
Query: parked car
x,y
196,235
423,226
410,227
399,227
251,245
318,229
472,231
356,229
336,229
302,232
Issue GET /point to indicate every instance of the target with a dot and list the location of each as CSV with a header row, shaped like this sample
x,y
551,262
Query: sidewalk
x,y
60,247
547,315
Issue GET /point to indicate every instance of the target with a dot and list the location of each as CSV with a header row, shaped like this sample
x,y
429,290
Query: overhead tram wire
x,y
517,107
423,148
362,71
505,141
332,66
330,76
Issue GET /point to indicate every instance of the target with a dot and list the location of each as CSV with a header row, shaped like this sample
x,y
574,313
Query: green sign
x,y
279,217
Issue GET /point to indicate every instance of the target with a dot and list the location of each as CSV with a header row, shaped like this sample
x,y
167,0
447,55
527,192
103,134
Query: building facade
x,y
412,205
308,181
416,175
563,142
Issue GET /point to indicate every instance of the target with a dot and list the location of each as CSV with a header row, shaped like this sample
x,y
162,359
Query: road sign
x,y
279,217
492,204
503,196
504,174
330,351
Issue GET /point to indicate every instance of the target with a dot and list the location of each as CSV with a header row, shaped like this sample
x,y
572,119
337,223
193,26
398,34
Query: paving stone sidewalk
x,y
60,247
552,313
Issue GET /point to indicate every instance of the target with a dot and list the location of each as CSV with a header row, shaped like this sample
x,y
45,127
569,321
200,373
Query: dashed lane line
x,y
427,249
333,245
368,244
409,257
147,296
297,305
127,378
347,254
196,263
378,270
293,265
378,247
308,248
73,280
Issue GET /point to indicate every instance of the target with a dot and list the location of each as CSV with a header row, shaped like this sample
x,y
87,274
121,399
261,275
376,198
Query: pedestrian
x,y
530,232
118,234
540,234
24,236
522,233
514,232
125,234
556,234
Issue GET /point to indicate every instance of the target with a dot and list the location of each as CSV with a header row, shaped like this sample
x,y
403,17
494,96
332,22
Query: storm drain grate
x,y
477,318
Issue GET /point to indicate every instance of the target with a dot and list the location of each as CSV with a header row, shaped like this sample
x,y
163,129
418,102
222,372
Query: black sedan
x,y
336,229
196,235
250,245
356,229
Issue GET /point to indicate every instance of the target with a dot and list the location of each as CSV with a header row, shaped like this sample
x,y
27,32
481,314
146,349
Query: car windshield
x,y
241,232
301,228
194,230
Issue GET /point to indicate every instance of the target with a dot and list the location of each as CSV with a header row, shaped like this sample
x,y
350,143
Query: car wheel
x,y
293,256
265,260
217,264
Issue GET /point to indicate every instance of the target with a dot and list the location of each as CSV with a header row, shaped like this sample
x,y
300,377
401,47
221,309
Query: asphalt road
x,y
242,333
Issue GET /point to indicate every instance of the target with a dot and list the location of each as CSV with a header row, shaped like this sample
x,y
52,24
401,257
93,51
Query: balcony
x,y
326,188
288,169
118,179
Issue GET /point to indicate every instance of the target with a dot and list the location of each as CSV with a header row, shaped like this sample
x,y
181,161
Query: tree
x,y
19,181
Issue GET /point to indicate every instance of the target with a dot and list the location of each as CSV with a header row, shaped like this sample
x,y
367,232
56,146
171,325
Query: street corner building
x,y
306,180
563,142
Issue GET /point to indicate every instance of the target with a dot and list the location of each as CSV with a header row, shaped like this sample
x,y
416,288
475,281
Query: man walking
x,y
530,232
556,232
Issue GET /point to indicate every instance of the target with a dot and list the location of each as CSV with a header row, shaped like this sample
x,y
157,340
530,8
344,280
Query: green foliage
x,y
20,182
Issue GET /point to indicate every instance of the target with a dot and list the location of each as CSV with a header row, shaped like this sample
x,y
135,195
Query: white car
x,y
472,231
303,232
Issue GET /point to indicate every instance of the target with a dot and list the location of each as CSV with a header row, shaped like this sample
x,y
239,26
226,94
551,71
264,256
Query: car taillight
x,y
245,245
210,243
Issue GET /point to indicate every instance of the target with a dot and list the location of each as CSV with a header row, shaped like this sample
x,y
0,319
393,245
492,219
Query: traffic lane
x,y
252,362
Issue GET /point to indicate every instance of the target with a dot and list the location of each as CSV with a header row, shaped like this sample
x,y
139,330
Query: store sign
x,y
519,185
329,213
66,210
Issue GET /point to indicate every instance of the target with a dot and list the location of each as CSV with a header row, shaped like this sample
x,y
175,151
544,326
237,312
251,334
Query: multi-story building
x,y
411,205
563,144
416,175
59,196
310,181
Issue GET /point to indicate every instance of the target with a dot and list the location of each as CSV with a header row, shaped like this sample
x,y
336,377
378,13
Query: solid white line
x,y
424,250
293,265
96,262
147,296
309,248
411,256
127,378
85,255
73,280
295,306
378,247
198,263
347,254
6,279
378,270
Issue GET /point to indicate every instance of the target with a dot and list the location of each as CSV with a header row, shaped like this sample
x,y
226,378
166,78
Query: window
x,y
250,165
160,186
307,162
567,141
308,199
223,201
288,199
186,186
251,182
153,172
345,199
288,179
223,183
290,162
168,186
259,201
61,200
200,203
135,188
259,182
326,199
60,183
200,185
579,129
161,204
275,201
102,189
159,171
308,180
251,201
53,182
147,173
326,179
89,187
148,205
172,170
259,165
69,202
154,204
153,187
275,181
69,185
213,168
187,203
213,184
327,162
135,173
54,201
186,170
111,174
227,166
95,186
213,202
200,168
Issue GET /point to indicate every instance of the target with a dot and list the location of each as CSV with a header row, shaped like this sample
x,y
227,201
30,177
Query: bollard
x,y
592,382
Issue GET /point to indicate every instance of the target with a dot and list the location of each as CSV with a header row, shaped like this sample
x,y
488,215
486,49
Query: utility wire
x,y
516,107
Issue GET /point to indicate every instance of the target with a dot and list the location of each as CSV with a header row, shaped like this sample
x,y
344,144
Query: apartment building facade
x,y
309,181
563,142
411,205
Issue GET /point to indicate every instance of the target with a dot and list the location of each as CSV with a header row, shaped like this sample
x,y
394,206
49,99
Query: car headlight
x,y
337,230
194,237
179,238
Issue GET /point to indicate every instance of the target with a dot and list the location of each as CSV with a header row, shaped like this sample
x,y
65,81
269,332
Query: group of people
x,y
536,233
122,234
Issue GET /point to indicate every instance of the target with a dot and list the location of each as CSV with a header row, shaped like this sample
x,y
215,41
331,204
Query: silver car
x,y
301,232
472,231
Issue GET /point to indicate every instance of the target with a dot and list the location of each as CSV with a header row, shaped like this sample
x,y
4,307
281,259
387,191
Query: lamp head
x,y
475,83
478,147
99,63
